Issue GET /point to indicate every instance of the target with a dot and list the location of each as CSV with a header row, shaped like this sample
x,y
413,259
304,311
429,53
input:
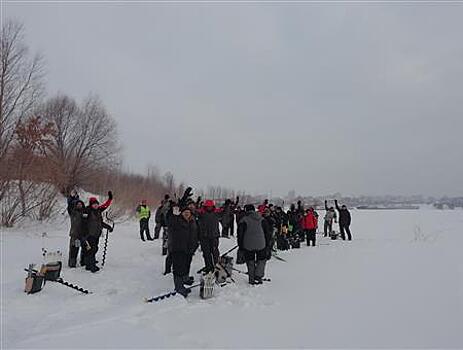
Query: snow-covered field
x,y
399,283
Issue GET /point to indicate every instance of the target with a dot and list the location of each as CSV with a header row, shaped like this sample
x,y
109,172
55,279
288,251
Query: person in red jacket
x,y
261,208
309,224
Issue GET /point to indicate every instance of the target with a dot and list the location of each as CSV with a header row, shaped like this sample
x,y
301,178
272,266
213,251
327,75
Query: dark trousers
x,y
328,227
282,242
168,267
255,262
157,230
255,255
165,240
232,226
90,254
210,248
180,263
225,230
311,236
144,227
347,230
301,234
73,252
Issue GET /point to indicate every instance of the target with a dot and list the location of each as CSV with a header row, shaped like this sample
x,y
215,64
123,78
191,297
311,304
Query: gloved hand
x,y
110,195
77,243
110,229
86,245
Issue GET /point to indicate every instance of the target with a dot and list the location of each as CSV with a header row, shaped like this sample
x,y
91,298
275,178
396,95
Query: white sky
x,y
320,98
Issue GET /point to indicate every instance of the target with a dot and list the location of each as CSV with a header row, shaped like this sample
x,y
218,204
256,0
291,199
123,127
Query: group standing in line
x,y
187,225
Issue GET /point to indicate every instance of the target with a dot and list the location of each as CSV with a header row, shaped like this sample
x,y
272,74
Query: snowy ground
x,y
398,284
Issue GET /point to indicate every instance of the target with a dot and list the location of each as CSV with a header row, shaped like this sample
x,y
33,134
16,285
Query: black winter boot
x,y
179,287
188,280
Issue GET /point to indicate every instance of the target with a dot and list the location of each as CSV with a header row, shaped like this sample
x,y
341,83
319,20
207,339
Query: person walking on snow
x,y
144,215
344,221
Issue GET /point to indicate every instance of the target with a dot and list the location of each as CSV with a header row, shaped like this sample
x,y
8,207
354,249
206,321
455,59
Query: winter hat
x,y
209,203
93,200
249,207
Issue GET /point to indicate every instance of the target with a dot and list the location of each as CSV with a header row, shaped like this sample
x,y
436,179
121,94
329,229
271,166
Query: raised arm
x,y
108,202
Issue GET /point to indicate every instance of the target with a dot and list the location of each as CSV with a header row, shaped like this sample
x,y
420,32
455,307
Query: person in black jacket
x,y
209,235
344,221
160,216
78,228
239,213
183,237
95,226
194,242
281,222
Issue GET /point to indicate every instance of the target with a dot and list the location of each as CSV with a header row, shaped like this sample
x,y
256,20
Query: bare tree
x,y
85,140
21,89
169,182
21,84
28,193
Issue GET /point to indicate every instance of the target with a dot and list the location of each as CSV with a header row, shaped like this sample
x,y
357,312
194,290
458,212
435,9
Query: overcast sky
x,y
350,98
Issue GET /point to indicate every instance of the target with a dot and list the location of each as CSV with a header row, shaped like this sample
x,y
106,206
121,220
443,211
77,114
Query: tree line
x,y
50,145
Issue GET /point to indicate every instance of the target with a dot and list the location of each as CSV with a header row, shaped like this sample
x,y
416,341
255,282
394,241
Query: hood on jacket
x,y
254,216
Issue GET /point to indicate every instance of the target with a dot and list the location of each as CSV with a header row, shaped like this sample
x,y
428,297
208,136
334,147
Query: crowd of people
x,y
188,224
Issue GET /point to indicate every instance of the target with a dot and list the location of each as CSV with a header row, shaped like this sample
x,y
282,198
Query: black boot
x,y
92,268
179,287
188,280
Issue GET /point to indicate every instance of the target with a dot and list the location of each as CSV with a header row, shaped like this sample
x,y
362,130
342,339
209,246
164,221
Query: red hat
x,y
209,203
92,200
